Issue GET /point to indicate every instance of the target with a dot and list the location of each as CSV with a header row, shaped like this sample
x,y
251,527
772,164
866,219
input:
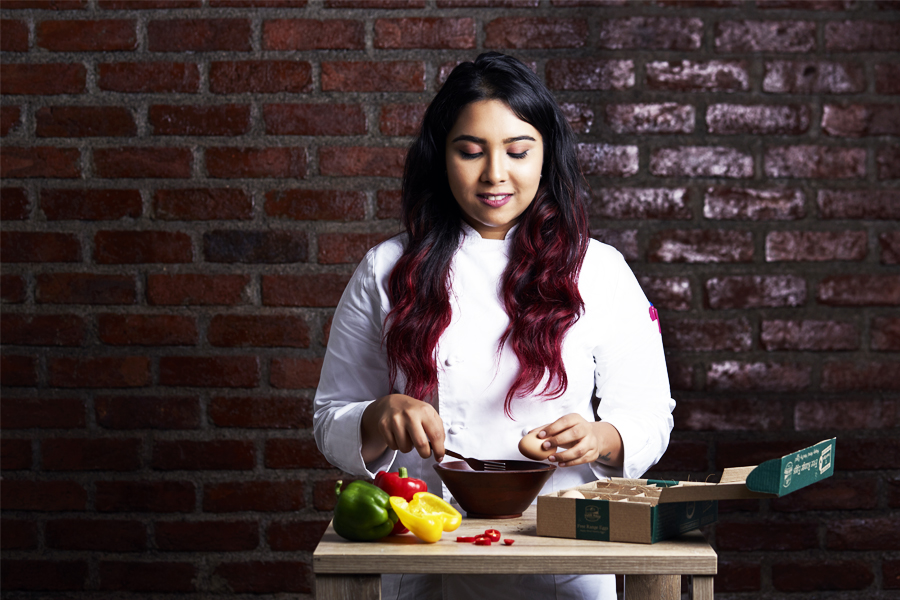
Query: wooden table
x,y
352,570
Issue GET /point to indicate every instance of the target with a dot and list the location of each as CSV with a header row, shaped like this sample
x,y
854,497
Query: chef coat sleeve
x,y
354,374
630,376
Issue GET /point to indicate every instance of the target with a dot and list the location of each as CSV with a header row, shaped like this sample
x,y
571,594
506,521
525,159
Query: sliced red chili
x,y
467,540
493,534
509,542
482,541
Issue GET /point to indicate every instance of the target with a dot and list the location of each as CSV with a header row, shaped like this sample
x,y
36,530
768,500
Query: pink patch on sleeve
x,y
654,316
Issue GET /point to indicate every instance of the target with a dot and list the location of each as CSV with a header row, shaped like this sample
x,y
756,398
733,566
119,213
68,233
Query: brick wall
x,y
187,185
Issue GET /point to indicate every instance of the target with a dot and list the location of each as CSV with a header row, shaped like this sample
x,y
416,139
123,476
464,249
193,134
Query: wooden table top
x,y
689,554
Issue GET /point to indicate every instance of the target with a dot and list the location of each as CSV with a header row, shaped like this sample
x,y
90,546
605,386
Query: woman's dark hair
x,y
540,285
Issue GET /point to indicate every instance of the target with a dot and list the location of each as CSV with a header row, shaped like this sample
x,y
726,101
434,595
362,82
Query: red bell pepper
x,y
398,484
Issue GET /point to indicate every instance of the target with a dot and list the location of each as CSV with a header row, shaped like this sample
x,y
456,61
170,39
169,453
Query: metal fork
x,y
479,465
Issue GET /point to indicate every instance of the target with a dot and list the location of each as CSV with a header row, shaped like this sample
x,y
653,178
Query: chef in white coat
x,y
494,314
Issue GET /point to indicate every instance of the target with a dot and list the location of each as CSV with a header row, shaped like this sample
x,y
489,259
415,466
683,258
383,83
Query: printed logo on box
x,y
825,460
788,470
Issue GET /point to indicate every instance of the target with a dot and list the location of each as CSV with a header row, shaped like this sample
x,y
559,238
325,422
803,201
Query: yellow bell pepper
x,y
427,516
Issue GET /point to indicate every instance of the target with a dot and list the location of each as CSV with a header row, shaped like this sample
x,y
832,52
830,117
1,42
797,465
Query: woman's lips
x,y
495,200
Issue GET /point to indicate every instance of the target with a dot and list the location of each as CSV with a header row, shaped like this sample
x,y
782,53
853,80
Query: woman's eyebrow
x,y
477,140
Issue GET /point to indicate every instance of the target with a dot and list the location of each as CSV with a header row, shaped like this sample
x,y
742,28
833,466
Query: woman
x,y
494,314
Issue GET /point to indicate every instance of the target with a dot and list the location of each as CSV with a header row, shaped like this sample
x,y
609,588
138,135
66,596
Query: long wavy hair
x,y
540,284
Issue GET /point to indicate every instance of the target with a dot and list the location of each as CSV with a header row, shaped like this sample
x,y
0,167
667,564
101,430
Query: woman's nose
x,y
494,170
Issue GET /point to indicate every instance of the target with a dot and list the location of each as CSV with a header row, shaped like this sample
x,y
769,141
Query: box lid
x,y
771,479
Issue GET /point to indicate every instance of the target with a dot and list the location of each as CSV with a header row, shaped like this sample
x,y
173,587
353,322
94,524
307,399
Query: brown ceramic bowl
x,y
495,494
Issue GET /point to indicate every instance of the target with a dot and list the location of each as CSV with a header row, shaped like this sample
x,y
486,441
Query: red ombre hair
x,y
540,285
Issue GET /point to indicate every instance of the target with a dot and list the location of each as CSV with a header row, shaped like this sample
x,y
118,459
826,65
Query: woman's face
x,y
494,162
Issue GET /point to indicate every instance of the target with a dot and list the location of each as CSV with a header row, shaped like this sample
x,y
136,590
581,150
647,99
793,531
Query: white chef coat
x,y
614,348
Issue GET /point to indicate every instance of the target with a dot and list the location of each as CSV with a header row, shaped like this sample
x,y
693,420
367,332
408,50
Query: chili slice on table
x,y
509,542
465,539
493,534
482,541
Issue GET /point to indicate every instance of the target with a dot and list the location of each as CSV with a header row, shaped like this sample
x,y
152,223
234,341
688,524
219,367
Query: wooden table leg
x,y
348,587
702,587
652,587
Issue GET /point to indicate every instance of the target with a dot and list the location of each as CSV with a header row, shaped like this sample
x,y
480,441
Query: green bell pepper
x,y
363,512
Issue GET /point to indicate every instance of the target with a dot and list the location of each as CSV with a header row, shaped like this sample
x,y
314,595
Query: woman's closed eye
x,y
472,155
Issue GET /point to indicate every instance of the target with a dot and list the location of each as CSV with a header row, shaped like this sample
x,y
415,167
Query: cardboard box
x,y
646,511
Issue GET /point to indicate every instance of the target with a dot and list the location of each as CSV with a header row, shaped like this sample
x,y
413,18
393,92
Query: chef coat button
x,y
453,430
525,431
448,361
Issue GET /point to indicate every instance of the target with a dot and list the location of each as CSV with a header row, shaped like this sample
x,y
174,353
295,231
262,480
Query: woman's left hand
x,y
582,441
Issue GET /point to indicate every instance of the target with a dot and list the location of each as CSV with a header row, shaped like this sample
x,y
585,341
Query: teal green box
x,y
649,510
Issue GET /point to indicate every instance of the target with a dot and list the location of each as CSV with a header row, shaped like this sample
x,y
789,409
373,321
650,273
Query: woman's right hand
x,y
400,422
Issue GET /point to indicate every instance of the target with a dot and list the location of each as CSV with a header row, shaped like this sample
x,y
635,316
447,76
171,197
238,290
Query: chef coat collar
x,y
470,236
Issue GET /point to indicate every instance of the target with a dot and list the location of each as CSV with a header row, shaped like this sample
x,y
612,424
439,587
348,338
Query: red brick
x,y
202,204
890,574
589,74
862,36
889,243
260,77
887,78
99,372
738,453
755,291
76,454
196,289
294,454
885,334
727,414
147,4
668,293
12,289
842,376
816,245
117,163
269,247
323,494
209,371
18,534
87,36
741,204
650,33
137,247
370,76
295,373
147,330
43,79
314,119
96,534
48,496
830,494
235,163
693,76
44,413
701,161
401,119
867,455
84,121
147,576
18,371
147,412
535,32
149,77
388,204
757,376
10,119
258,3
737,577
821,575
321,290
701,245
806,4
207,536
28,246
198,35
430,32
15,455
888,162
211,455
317,205
50,575
258,331
260,496
45,4
707,335
683,455
765,36
857,120
42,330
488,3
145,496
13,35
382,4
777,335
859,204
14,204
731,119
608,160
336,248
223,119
813,77
84,288
623,240
261,413
312,34
90,204
303,536
258,577
859,290
40,161
771,536
360,161
838,414
666,117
